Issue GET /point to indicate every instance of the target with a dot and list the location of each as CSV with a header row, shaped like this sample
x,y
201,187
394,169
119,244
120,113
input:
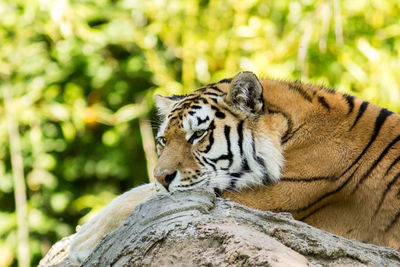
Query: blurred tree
x,y
83,73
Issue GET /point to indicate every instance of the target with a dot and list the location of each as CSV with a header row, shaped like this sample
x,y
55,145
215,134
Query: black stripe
x,y
258,159
229,155
204,101
393,222
225,80
199,157
200,121
313,212
388,187
361,110
176,97
226,110
172,119
287,138
235,174
391,165
217,192
198,160
195,107
329,193
376,162
240,136
210,139
213,94
245,166
309,179
209,163
183,105
235,177
350,101
215,100
288,131
378,124
189,99
159,142
218,113
298,88
323,102
213,87
266,178
192,184
328,90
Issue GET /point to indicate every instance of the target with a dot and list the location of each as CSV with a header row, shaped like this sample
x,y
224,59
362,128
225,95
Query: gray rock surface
x,y
57,256
194,228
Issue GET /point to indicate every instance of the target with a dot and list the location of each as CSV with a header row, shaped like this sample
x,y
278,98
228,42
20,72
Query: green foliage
x,y
83,73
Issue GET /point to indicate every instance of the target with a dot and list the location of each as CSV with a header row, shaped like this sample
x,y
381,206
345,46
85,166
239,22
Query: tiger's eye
x,y
199,133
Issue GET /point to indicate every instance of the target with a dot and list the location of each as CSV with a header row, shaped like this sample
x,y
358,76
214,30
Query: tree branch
x,y
18,178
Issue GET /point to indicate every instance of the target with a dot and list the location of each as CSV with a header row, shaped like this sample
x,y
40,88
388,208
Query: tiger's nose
x,y
166,178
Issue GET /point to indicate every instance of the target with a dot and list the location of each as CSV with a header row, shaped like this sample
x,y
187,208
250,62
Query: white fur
x,y
273,155
163,104
161,129
265,149
190,123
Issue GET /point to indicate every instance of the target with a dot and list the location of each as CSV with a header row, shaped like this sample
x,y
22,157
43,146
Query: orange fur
x,y
319,185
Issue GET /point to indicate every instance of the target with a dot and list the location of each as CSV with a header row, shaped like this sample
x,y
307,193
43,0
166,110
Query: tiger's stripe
x,y
330,159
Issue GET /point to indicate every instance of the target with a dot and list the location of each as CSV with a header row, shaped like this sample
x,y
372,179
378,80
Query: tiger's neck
x,y
328,140
316,128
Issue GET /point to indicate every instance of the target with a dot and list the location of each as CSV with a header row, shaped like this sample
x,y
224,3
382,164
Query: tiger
x,y
328,158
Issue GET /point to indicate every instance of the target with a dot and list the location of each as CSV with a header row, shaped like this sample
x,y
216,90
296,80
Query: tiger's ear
x,y
163,104
246,94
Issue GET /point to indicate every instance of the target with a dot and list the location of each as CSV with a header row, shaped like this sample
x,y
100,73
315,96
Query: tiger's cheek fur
x,y
237,157
234,154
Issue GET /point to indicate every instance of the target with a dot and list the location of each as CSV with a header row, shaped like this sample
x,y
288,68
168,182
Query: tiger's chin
x,y
221,181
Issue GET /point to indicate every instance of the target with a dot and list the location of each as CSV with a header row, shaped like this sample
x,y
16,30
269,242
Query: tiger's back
x,y
332,160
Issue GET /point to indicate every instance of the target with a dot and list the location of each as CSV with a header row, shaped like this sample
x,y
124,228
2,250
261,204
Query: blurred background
x,y
77,80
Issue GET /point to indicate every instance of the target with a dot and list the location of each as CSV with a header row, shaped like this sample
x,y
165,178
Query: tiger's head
x,y
217,137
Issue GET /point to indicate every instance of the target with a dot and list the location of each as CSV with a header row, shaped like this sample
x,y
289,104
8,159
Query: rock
x,y
57,256
194,228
